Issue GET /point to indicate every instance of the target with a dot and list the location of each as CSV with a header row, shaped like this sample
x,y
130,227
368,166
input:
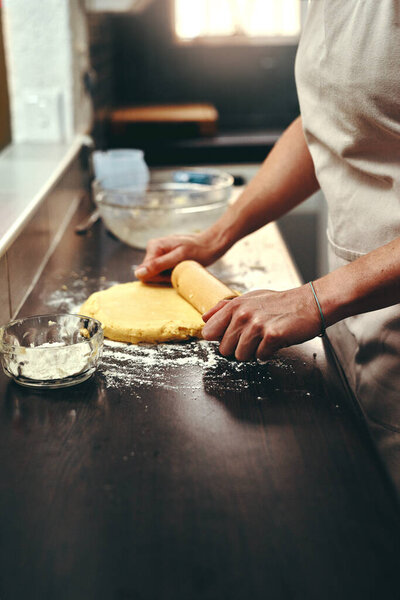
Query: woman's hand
x,y
259,323
163,254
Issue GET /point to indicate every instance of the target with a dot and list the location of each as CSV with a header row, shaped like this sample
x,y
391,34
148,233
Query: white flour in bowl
x,y
49,361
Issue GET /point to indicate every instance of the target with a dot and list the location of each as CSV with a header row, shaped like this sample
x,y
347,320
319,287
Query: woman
x,y
347,142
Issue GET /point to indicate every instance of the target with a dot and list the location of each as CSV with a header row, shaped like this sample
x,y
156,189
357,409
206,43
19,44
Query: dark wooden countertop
x,y
190,479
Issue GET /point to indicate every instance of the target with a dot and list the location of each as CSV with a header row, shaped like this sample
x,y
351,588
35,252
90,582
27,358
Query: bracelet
x,y
323,323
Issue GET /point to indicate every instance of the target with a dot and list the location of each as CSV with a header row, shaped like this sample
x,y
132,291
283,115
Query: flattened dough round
x,y
137,312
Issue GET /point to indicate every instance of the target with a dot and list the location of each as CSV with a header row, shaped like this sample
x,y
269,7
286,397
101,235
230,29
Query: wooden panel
x,y
26,255
63,199
162,122
177,113
5,307
5,132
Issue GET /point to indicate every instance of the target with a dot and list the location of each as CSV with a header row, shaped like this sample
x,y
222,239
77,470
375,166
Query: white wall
x,y
47,54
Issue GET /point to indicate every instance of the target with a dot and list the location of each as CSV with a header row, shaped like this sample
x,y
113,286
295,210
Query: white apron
x,y
348,81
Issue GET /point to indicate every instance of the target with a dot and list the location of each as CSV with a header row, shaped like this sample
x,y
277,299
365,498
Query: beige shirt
x,y
348,79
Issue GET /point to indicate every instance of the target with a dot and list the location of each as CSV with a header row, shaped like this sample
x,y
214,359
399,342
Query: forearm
x,y
285,179
369,283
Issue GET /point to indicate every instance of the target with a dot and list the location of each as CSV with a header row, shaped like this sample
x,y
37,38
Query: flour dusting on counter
x,y
165,365
155,364
69,298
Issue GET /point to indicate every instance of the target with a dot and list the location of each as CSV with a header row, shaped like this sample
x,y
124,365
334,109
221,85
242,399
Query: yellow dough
x,y
137,312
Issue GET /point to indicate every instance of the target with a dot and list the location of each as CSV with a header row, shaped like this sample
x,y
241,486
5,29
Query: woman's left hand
x,y
259,323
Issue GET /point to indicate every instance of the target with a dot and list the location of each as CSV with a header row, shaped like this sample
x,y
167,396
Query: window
x,y
5,135
237,20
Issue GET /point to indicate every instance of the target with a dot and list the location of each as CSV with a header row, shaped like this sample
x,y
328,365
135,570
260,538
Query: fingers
x,y
225,323
215,327
267,347
155,248
240,333
230,339
247,345
163,254
214,310
151,269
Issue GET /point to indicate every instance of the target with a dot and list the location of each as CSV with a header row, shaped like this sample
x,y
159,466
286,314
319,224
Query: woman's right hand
x,y
163,254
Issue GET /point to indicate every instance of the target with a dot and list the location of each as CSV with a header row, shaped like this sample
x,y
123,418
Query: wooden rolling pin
x,y
194,283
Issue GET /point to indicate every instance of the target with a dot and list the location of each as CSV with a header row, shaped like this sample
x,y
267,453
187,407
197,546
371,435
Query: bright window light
x,y
249,18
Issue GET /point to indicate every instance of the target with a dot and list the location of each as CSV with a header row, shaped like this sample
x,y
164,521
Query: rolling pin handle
x,y
201,289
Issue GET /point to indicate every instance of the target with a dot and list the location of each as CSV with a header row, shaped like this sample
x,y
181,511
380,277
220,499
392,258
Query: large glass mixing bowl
x,y
175,201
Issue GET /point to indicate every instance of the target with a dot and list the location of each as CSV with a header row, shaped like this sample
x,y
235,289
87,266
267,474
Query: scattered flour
x,y
164,365
69,298
150,364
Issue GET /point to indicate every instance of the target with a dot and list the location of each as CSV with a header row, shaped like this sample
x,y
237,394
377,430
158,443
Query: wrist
x,y
217,239
336,296
321,313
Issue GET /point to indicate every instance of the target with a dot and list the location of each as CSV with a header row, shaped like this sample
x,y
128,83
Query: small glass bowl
x,y
51,351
